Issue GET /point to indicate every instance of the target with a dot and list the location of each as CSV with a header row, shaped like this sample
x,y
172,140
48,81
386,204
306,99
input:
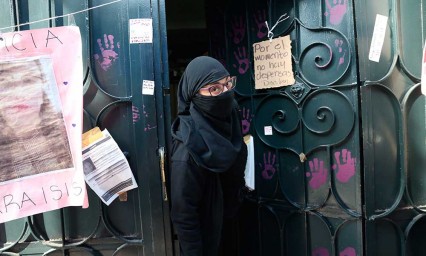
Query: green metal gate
x,y
394,128
112,99
344,171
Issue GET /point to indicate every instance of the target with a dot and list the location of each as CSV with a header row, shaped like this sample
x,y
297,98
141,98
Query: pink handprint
x,y
243,61
108,53
238,30
246,120
135,113
345,168
318,173
337,11
348,251
260,18
268,166
320,251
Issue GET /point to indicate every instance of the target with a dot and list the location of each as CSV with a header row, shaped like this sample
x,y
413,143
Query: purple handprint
x,y
348,251
268,166
260,18
337,11
238,30
320,251
243,61
135,113
345,168
318,173
108,53
246,120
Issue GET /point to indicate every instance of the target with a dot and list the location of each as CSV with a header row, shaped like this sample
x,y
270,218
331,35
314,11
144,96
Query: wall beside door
x,y
347,148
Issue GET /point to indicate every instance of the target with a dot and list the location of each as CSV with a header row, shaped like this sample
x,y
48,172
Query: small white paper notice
x,y
378,38
148,87
268,130
249,171
140,31
424,71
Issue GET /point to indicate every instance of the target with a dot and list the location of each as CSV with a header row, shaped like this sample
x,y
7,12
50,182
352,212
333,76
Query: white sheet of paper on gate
x,y
105,167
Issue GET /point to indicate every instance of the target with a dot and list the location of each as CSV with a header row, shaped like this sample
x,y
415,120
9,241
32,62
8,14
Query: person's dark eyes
x,y
214,89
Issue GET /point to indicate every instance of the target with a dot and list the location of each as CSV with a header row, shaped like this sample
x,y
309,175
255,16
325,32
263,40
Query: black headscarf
x,y
208,126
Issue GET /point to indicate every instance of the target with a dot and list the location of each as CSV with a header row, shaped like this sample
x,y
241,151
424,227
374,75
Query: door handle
x,y
163,174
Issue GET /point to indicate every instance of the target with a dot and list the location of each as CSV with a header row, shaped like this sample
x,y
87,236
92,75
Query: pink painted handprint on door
x,y
320,251
238,29
317,172
246,120
268,169
336,11
346,168
108,55
348,251
260,18
242,59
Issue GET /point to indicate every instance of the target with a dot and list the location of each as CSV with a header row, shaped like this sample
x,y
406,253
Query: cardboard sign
x,y
272,63
48,175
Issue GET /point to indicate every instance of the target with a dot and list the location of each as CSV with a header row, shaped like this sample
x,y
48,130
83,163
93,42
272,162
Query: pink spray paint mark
x,y
144,112
317,172
344,167
135,114
348,251
268,169
337,11
108,56
320,251
242,59
339,43
149,127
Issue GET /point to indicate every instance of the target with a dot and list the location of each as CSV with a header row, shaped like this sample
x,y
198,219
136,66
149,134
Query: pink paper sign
x,y
40,182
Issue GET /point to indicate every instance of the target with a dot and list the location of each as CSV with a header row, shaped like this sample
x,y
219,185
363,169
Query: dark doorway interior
x,y
187,38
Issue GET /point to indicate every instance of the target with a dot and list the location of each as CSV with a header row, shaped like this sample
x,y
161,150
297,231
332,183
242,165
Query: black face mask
x,y
217,106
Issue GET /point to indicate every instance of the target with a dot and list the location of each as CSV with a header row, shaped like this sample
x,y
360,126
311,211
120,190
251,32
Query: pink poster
x,y
41,105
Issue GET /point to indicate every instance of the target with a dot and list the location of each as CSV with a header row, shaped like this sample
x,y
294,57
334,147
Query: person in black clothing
x,y
208,157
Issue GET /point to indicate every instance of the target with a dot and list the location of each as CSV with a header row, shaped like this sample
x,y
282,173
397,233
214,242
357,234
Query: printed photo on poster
x,y
33,137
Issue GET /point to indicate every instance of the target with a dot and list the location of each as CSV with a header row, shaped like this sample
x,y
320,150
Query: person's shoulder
x,y
179,152
181,156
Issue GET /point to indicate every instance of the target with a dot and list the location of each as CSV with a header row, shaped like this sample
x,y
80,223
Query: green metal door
x,y
113,99
308,197
394,128
342,172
